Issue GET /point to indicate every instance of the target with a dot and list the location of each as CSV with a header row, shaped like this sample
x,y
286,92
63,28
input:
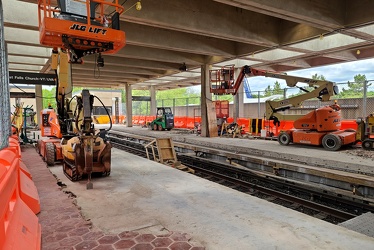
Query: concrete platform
x,y
149,198
304,154
64,226
363,224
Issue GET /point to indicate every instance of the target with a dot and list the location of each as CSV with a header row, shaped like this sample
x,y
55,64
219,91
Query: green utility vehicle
x,y
164,120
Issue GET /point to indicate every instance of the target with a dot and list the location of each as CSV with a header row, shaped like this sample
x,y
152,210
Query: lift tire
x,y
331,142
50,153
284,138
37,147
155,127
367,144
160,128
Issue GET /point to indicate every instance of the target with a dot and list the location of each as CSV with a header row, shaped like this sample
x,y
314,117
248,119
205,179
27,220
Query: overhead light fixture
x,y
138,5
183,67
358,52
100,61
321,37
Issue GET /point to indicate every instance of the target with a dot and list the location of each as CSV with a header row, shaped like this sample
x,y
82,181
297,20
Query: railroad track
x,y
320,205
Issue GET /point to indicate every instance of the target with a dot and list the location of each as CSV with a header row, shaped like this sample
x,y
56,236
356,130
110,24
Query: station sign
x,y
17,77
141,98
21,95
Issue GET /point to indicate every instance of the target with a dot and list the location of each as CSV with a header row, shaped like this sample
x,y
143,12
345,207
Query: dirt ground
x,y
359,152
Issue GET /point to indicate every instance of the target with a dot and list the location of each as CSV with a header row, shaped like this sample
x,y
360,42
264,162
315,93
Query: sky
x,y
339,73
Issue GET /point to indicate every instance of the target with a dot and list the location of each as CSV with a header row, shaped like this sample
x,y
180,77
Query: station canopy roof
x,y
164,35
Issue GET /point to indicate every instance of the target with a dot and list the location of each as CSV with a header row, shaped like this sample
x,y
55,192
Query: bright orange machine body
x,y
87,34
319,127
50,149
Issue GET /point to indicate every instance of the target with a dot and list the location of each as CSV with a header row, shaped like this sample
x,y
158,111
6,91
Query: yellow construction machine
x,y
75,29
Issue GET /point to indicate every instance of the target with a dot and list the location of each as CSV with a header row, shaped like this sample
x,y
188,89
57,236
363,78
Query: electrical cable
x,y
114,10
98,69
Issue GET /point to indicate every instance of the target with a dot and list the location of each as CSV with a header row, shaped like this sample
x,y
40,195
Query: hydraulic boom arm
x,y
323,90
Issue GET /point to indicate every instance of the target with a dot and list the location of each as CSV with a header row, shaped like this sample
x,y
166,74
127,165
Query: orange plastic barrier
x,y
230,120
191,122
244,122
150,118
19,226
180,122
142,120
14,146
28,192
121,119
27,188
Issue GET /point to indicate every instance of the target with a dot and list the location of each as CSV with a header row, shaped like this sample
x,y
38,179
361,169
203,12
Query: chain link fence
x,y
5,124
355,99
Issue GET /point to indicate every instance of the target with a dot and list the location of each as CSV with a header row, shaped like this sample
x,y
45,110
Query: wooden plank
x,y
166,150
212,119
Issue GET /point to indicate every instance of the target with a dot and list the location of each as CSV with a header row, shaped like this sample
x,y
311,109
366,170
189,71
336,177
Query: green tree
x,y
358,85
318,77
355,89
277,90
49,97
268,91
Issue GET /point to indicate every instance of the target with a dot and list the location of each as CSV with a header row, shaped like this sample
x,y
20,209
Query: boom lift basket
x,y
222,80
74,25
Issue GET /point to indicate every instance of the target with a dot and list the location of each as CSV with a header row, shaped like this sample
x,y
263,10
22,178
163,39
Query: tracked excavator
x,y
319,127
75,29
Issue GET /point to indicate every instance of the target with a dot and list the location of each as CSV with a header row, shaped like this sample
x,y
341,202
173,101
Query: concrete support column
x,y
39,102
206,96
238,99
152,91
128,105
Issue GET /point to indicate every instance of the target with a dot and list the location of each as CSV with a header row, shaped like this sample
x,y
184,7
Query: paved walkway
x,y
63,226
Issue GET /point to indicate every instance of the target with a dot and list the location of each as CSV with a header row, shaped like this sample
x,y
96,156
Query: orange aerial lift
x,y
75,29
81,27
319,127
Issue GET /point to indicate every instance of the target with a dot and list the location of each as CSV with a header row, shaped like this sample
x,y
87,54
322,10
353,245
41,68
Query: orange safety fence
x,y
180,121
135,120
244,122
253,126
191,121
142,120
150,118
19,226
121,119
